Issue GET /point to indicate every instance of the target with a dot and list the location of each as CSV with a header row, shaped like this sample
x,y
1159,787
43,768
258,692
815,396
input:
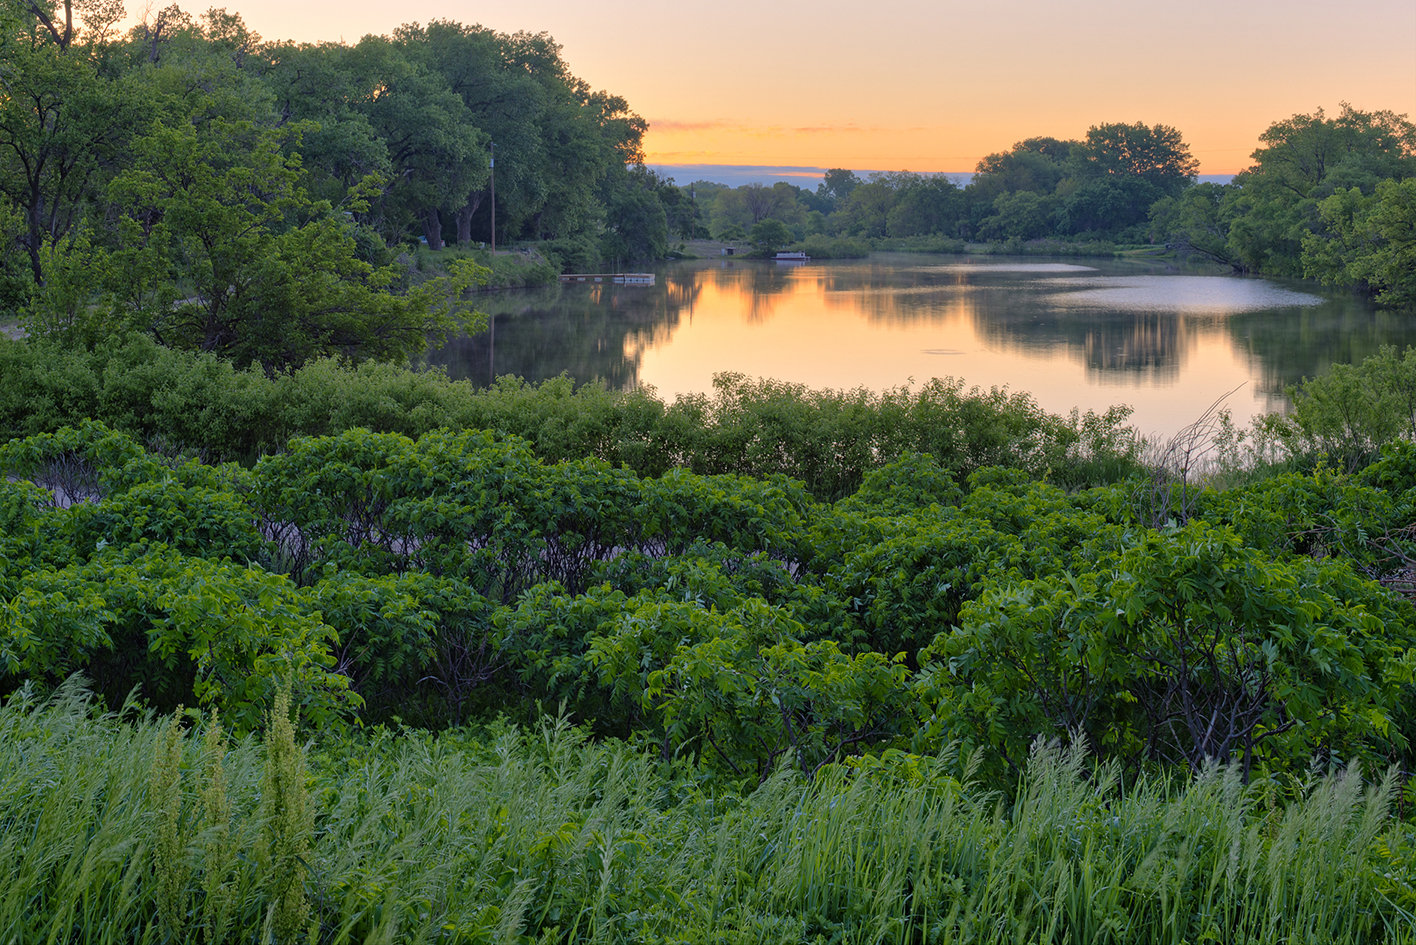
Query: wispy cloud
x,y
670,124
765,131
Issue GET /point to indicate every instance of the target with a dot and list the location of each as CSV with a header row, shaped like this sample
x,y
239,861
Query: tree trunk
x,y
432,228
464,217
35,212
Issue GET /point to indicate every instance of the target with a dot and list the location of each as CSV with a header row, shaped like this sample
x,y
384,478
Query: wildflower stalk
x,y
287,824
219,853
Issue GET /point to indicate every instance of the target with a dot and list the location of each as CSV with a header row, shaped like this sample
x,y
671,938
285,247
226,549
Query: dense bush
x,y
827,439
730,618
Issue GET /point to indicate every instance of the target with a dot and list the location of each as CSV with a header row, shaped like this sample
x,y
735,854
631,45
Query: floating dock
x,y
615,278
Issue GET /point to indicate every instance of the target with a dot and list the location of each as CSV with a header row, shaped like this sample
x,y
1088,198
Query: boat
x,y
791,257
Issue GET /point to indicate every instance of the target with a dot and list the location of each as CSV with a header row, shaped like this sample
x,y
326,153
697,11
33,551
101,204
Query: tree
x,y
1021,215
1155,154
836,185
1106,205
926,205
1036,165
770,234
1367,241
318,84
62,124
1198,220
496,76
1300,153
437,152
221,249
1305,159
636,226
866,211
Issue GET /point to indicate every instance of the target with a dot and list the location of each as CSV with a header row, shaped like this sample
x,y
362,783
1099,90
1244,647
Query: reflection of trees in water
x,y
759,285
1153,344
603,331
1290,344
895,296
588,331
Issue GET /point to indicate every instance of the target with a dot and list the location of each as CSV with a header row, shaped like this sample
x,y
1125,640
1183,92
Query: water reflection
x,y
1086,335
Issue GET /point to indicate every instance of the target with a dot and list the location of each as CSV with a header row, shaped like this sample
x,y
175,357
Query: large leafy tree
x,y
220,249
63,122
505,101
317,84
926,204
437,152
1369,241
1155,154
1118,172
1305,159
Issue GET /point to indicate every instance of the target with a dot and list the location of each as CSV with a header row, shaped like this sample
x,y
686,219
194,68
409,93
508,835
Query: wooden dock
x,y
615,278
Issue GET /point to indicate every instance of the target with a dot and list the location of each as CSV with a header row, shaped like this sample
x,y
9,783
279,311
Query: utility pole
x,y
493,165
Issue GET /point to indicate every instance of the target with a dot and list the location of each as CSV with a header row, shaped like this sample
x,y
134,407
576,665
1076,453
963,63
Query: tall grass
x,y
544,837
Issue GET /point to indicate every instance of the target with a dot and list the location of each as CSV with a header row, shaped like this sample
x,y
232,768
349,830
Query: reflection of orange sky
x,y
809,335
933,85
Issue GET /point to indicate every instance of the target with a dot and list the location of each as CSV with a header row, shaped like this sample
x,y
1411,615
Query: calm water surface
x,y
1086,334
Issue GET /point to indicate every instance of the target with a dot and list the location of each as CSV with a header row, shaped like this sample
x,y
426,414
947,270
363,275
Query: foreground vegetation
x,y
132,830
826,439
927,665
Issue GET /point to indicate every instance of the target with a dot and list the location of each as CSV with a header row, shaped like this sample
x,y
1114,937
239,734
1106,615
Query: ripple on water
x,y
1184,295
1008,267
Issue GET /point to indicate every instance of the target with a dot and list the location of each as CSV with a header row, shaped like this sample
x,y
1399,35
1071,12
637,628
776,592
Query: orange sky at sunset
x,y
934,86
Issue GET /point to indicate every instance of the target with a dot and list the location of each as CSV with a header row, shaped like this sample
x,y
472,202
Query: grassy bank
x,y
510,269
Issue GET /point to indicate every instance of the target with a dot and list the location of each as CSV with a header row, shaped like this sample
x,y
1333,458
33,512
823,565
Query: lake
x,y
1165,340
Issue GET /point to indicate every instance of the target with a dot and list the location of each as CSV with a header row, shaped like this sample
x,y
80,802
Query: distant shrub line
x,y
826,439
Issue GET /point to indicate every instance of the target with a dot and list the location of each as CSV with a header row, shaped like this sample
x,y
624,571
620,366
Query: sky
x,y
931,85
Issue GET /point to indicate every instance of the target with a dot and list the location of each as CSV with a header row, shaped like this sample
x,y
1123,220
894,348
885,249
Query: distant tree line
x,y
1100,187
1326,198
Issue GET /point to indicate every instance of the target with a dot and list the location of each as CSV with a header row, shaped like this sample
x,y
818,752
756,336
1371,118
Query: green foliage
x,y
1189,646
826,439
456,573
1273,211
1370,242
241,261
770,234
819,246
1361,520
746,697
1197,221
1353,411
